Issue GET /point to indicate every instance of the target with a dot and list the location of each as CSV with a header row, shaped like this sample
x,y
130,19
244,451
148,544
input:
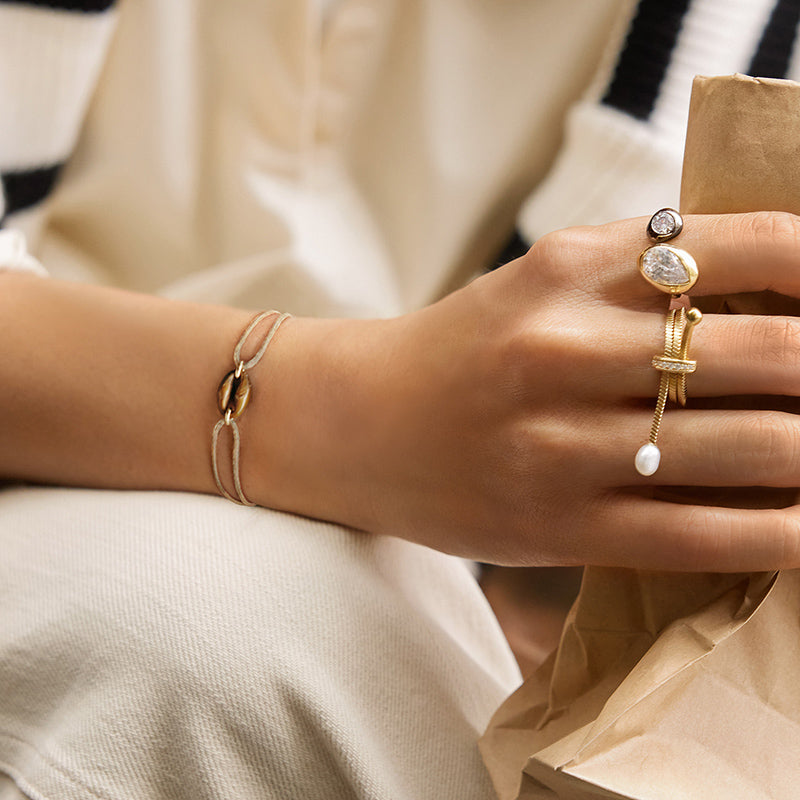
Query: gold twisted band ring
x,y
673,271
675,364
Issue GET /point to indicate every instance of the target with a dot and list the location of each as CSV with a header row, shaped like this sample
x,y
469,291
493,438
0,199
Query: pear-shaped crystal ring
x,y
673,271
668,268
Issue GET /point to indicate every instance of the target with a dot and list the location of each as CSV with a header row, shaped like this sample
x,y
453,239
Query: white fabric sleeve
x,y
620,159
14,254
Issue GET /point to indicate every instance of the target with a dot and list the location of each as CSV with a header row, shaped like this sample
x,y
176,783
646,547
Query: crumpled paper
x,y
668,686
742,146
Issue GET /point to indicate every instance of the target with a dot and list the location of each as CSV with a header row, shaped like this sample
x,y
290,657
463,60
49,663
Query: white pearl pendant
x,y
647,459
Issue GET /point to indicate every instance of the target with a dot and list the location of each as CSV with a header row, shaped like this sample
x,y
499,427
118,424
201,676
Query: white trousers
x,y
158,645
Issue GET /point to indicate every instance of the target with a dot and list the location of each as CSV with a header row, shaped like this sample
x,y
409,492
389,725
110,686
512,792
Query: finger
x,y
716,448
610,358
738,355
746,253
710,448
653,534
734,253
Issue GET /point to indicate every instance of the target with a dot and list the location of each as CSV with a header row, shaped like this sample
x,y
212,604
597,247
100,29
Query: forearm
x,y
111,389
105,388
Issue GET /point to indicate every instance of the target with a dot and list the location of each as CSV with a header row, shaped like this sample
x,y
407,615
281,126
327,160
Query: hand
x,y
501,423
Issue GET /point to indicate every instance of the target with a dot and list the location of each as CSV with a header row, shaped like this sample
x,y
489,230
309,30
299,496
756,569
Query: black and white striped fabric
x,y
773,56
654,42
51,52
623,147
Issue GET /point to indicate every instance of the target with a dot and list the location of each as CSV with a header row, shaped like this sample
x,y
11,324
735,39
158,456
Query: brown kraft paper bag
x,y
665,685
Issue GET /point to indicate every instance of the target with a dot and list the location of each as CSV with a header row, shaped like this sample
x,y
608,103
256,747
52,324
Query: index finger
x,y
735,253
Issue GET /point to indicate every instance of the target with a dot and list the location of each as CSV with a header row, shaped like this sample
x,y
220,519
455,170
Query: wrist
x,y
302,436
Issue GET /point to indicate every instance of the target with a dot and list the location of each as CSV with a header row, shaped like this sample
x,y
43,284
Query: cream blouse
x,y
358,158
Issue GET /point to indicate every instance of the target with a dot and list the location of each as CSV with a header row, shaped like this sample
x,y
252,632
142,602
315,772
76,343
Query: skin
x,y
499,423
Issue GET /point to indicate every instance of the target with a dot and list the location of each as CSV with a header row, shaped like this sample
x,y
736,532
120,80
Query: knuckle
x,y
720,542
769,441
552,246
774,230
515,364
560,255
786,539
705,538
776,339
541,350
789,533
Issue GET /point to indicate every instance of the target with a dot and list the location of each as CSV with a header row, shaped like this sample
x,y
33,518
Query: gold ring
x,y
664,225
673,271
674,365
668,268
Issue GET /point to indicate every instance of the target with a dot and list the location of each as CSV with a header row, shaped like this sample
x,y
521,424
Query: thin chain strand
x,y
673,330
677,336
663,391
